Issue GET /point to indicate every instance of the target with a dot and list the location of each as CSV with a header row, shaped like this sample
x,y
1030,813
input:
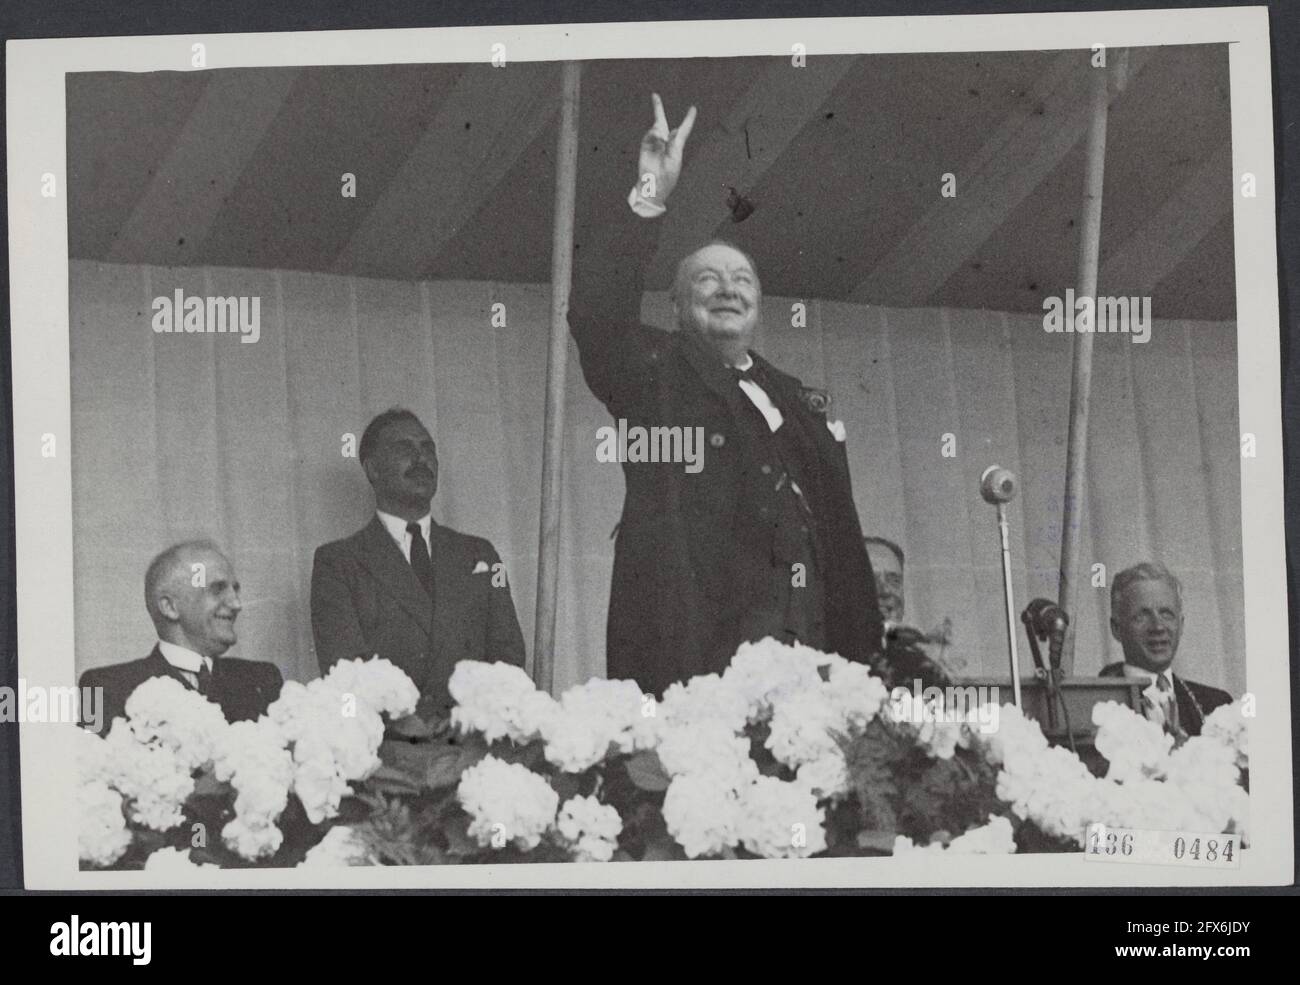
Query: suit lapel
x,y
383,559
715,374
1187,713
159,667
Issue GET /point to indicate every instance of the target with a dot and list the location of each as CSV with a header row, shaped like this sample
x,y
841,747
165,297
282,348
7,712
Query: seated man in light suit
x,y
192,596
405,588
1146,617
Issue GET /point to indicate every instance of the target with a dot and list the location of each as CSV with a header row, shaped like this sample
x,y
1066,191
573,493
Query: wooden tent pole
x,y
557,359
1081,377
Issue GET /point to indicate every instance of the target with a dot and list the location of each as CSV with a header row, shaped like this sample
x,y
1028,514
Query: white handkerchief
x,y
481,568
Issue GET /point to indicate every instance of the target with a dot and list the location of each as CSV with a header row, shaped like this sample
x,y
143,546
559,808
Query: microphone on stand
x,y
1044,619
998,487
1047,620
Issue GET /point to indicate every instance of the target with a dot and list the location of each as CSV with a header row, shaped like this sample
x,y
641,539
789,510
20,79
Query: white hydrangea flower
x,y
1051,787
91,754
174,860
335,738
762,672
589,828
498,701
855,694
252,757
595,718
252,841
703,817
939,739
994,838
803,726
153,779
378,683
704,699
1015,735
780,820
507,802
827,777
1203,760
1227,724
339,848
1134,747
162,710
102,836
575,743
708,751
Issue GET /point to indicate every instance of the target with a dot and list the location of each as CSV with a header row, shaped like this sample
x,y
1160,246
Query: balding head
x,y
192,596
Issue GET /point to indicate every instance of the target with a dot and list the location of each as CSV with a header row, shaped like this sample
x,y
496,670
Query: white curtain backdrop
x,y
177,436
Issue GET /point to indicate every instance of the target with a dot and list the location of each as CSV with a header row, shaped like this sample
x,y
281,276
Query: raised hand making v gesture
x,y
660,163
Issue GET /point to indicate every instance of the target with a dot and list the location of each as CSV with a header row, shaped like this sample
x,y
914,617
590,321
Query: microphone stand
x,y
1011,606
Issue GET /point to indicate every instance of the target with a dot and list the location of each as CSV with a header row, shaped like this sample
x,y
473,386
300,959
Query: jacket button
x,y
717,440
766,470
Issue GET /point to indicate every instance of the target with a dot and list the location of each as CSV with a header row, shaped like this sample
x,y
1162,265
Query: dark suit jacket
x,y
1195,701
366,600
693,550
243,688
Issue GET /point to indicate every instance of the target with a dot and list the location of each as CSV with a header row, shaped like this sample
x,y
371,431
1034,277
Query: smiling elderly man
x,y
404,587
764,539
192,595
1146,618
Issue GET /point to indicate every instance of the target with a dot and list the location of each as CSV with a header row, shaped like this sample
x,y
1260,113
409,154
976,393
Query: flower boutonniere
x,y
817,401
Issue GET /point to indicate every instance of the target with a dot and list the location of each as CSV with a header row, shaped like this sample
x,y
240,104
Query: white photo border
x,y
38,241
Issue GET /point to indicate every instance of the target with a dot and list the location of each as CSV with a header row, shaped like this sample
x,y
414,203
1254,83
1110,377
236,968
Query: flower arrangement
x,y
789,753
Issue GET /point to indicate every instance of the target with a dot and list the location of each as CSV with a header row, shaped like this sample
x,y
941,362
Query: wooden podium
x,y
1078,694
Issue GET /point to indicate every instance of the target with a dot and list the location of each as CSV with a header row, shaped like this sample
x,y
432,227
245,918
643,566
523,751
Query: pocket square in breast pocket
x,y
481,568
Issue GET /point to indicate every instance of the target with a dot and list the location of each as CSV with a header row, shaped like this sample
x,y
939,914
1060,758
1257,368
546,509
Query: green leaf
x,y
529,754
456,831
412,727
445,768
206,784
391,780
662,850
647,772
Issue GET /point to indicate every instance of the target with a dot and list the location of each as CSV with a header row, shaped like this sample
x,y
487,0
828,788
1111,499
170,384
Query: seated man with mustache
x,y
192,595
1146,618
405,588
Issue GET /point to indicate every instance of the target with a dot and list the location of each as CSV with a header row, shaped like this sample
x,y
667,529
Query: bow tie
x,y
753,374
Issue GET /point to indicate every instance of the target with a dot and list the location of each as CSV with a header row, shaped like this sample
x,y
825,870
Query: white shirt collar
x,y
396,528
749,363
183,658
1142,674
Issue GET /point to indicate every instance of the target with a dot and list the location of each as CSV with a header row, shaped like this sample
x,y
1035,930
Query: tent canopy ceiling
x,y
843,161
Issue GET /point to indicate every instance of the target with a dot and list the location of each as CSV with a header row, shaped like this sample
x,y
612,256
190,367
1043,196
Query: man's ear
x,y
1114,629
368,466
167,606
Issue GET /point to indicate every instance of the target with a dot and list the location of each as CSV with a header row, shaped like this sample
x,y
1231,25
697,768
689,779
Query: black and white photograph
x,y
846,451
